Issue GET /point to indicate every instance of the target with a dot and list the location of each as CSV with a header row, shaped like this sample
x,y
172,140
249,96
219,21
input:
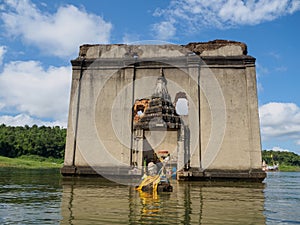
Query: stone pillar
x,y
137,155
254,129
193,121
180,149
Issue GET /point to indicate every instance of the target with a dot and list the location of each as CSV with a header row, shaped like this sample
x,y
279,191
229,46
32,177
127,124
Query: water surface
x,y
282,198
30,196
44,197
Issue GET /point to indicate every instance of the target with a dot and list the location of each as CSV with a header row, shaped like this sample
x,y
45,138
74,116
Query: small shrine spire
x,y
161,90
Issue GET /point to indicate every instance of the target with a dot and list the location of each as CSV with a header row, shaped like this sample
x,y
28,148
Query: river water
x,y
44,197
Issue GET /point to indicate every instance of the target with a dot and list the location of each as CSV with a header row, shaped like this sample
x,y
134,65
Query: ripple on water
x,y
37,198
282,198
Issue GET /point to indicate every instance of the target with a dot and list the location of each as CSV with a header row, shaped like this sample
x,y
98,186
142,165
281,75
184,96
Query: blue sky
x,y
39,38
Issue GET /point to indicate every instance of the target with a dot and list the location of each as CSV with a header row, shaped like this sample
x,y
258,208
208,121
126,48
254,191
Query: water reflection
x,y
43,197
151,204
98,201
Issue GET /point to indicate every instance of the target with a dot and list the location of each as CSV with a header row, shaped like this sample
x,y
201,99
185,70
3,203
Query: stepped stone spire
x,y
158,111
161,90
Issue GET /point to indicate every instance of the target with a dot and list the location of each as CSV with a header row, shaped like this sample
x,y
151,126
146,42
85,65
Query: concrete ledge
x,y
185,61
100,171
192,174
68,170
221,175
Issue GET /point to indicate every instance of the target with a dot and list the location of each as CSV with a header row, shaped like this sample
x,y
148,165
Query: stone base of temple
x,y
99,171
195,174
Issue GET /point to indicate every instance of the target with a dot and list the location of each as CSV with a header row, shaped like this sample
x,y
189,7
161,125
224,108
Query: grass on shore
x,y
286,168
37,162
31,162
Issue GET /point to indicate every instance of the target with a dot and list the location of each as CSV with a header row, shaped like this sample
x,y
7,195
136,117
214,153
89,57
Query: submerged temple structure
x,y
194,104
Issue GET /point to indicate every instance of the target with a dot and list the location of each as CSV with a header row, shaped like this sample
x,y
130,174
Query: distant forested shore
x,y
48,142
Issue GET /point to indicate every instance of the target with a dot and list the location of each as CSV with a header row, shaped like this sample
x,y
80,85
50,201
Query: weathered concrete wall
x,y
219,80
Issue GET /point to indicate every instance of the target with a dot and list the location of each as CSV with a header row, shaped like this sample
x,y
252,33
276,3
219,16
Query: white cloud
x,y
164,30
275,55
193,15
2,52
261,70
1,105
281,69
280,120
24,119
279,149
27,88
130,38
57,34
182,107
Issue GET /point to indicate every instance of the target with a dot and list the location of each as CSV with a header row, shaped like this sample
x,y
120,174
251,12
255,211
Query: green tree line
x,y
283,158
42,141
